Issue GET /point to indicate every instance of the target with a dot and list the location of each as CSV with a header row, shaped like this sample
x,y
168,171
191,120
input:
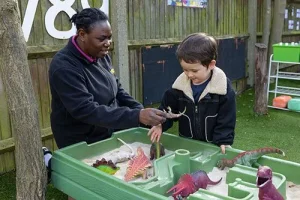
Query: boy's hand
x,y
155,133
223,147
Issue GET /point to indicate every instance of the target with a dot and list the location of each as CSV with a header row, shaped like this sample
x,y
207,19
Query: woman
x,y
88,102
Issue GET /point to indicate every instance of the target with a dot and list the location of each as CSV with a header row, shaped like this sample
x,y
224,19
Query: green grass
x,y
277,129
8,189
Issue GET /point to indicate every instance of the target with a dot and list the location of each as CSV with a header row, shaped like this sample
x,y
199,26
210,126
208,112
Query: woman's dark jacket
x,y
88,102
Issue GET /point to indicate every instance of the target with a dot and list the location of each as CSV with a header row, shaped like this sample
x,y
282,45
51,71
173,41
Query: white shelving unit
x,y
282,75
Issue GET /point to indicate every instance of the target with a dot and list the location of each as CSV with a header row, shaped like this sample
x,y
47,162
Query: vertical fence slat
x,y
131,66
38,26
147,11
48,40
5,130
130,20
142,22
35,82
170,11
183,24
139,82
204,19
44,92
9,158
157,19
226,8
161,18
153,17
166,21
199,24
178,12
193,21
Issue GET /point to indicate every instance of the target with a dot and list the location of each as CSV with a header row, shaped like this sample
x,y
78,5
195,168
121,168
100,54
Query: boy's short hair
x,y
197,47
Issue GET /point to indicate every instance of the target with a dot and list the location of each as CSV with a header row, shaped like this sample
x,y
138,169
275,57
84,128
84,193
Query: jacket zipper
x,y
196,121
104,71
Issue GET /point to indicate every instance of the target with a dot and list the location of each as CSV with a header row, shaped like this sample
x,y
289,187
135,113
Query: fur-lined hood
x,y
217,84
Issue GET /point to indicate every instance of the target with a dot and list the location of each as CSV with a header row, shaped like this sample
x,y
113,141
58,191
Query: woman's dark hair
x,y
86,18
197,47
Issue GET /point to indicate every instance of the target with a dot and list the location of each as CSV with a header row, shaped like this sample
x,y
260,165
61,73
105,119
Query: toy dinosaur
x,y
121,156
137,165
106,166
248,158
171,115
267,190
156,150
190,183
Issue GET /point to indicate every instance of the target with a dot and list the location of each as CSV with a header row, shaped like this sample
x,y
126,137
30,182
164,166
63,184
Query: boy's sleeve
x,y
169,99
224,130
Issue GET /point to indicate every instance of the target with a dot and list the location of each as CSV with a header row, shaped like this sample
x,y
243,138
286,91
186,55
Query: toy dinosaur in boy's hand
x,y
171,115
156,150
248,158
190,183
267,190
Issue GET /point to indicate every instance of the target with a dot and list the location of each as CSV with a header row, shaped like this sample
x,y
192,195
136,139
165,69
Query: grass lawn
x,y
277,129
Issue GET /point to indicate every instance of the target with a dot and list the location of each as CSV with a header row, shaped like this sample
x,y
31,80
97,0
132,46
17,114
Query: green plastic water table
x,y
81,181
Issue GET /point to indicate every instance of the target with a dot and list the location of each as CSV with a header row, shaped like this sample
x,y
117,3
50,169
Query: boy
x,y
206,93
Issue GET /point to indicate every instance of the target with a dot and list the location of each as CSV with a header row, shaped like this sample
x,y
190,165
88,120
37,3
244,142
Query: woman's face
x,y
97,42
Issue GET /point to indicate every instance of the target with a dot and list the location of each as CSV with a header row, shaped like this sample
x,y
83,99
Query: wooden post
x,y
120,53
22,105
261,79
252,19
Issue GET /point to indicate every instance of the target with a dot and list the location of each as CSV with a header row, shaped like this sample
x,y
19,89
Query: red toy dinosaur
x,y
267,190
190,183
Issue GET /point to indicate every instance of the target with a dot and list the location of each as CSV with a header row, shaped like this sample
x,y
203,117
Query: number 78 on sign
x,y
57,7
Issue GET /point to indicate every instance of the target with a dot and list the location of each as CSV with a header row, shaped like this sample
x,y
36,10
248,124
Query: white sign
x,y
57,7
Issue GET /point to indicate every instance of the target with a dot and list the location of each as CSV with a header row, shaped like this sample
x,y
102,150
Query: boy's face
x,y
196,72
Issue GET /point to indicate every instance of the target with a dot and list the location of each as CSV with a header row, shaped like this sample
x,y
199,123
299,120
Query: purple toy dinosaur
x,y
267,190
190,183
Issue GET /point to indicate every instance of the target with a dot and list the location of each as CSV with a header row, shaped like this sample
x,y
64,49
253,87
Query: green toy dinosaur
x,y
248,158
106,166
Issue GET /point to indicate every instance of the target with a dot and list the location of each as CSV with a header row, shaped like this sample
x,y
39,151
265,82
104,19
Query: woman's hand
x,y
152,116
223,147
155,133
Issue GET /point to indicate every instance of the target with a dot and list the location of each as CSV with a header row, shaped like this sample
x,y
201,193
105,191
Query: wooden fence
x,y
150,22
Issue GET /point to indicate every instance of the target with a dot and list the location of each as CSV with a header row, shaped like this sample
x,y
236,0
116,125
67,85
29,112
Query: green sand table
x,y
81,181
